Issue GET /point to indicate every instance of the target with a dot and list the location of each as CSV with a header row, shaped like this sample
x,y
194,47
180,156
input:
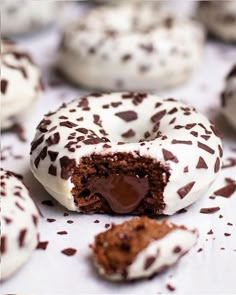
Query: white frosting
x,y
24,16
19,218
229,96
163,254
127,48
219,17
20,83
183,168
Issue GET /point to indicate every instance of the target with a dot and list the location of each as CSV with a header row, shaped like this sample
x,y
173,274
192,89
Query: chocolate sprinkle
x,y
169,156
226,191
4,84
209,210
129,133
127,116
42,245
205,147
21,237
201,164
69,251
183,191
149,261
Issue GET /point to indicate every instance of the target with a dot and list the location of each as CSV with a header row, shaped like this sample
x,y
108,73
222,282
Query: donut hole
x,y
119,184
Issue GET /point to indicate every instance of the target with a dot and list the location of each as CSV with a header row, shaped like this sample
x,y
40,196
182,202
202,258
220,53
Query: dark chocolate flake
x,y
169,156
69,251
188,142
67,167
42,245
53,139
209,210
226,191
52,170
128,134
4,84
149,261
127,116
21,237
217,165
205,147
158,116
201,164
183,191
52,155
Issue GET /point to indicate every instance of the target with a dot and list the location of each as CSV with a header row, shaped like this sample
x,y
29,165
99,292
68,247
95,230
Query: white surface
x,y
50,272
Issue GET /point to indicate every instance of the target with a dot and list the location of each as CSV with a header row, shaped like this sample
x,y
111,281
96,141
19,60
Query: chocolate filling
x,y
122,192
119,183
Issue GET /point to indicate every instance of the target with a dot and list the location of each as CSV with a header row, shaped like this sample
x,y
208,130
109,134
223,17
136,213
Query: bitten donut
x,y
20,83
219,17
19,224
228,97
140,247
25,16
127,48
126,153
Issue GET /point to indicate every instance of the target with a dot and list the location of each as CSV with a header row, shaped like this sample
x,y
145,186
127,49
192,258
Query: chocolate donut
x,y
20,83
126,153
19,224
219,17
228,97
127,48
140,247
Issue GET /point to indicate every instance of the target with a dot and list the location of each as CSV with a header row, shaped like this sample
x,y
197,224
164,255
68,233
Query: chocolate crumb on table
x,y
209,210
69,251
42,245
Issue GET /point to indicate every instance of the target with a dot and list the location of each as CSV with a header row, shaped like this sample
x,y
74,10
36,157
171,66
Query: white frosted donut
x,y
228,97
19,224
126,153
25,16
219,17
127,48
20,83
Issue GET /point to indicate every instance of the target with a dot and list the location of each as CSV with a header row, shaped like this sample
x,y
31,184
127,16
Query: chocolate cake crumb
x,y
209,210
69,251
42,245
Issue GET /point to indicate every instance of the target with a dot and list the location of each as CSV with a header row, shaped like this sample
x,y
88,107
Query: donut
x,y
140,247
219,17
228,97
26,16
127,48
126,153
20,83
19,224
